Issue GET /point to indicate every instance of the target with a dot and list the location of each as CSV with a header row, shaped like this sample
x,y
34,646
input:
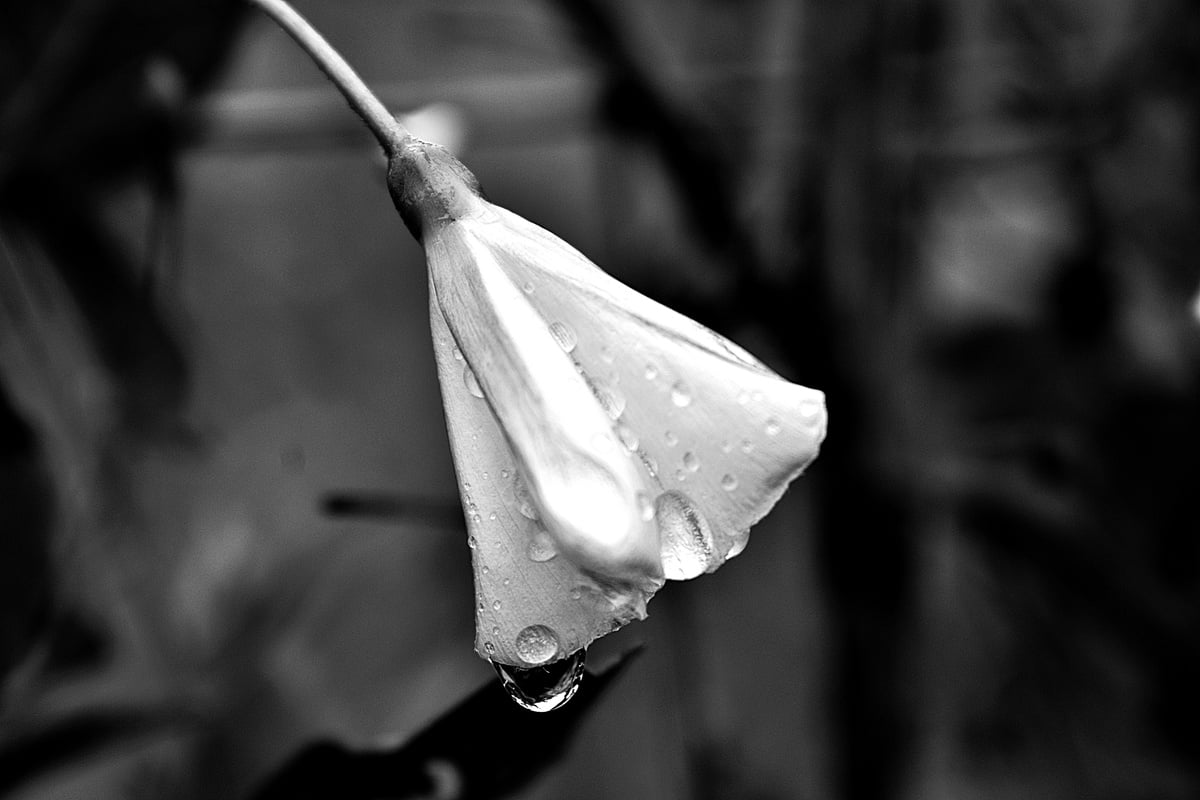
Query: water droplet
x,y
525,502
504,474
545,687
537,644
611,400
495,605
726,446
492,516
458,356
651,372
628,438
485,569
541,547
690,462
481,605
563,334
680,475
528,287
681,394
739,544
671,438
507,581
747,445
729,483
645,506
606,355
686,542
486,476
472,384
495,630
467,485
472,542
576,593
772,427
491,648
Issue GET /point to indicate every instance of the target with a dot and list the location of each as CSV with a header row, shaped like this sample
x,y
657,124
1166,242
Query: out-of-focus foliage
x,y
227,524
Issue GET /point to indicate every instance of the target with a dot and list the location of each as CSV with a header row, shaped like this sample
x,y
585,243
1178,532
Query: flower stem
x,y
390,133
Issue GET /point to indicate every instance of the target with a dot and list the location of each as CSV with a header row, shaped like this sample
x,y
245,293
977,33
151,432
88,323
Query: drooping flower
x,y
603,442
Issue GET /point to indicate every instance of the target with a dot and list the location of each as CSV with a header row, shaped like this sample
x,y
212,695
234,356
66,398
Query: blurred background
x,y
228,521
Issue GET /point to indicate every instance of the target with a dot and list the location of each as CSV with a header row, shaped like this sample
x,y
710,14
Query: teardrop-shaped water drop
x,y
563,334
472,383
685,539
545,687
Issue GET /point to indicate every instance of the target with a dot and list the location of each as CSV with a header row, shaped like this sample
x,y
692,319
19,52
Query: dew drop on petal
x,y
726,446
485,569
545,687
458,356
537,644
686,542
739,544
472,542
576,593
690,462
472,384
527,288
606,355
651,372
627,437
504,474
495,630
681,394
492,516
563,334
541,547
491,648
729,483
610,399
747,446
525,500
671,438
772,428
645,506
680,475
650,464
495,605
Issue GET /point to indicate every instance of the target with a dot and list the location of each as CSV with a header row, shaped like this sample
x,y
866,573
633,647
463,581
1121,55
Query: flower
x,y
603,442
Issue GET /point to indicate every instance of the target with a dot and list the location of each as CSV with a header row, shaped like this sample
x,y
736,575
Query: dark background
x,y
227,514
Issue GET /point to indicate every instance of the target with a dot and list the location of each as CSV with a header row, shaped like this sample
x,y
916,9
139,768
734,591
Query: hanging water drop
x,y
545,687
495,605
528,287
729,483
773,427
651,372
681,395
671,438
690,462
563,334
472,383
458,356
525,502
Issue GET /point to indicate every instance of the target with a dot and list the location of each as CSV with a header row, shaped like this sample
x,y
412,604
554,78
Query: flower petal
x,y
719,434
558,537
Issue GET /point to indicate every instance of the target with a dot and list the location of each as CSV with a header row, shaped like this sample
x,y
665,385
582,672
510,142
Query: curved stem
x,y
386,128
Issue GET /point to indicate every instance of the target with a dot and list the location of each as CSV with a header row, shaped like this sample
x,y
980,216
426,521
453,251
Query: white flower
x,y
602,441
